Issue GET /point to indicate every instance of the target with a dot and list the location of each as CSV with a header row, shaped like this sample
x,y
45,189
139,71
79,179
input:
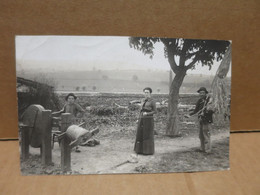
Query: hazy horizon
x,y
82,53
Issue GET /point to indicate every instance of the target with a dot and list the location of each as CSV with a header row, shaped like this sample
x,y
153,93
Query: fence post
x,y
25,142
65,147
46,150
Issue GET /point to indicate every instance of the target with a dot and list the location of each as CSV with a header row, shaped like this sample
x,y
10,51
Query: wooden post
x,y
46,150
65,147
25,142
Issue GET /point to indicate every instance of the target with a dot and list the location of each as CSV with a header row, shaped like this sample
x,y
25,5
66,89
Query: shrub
x,y
133,107
102,111
120,110
162,109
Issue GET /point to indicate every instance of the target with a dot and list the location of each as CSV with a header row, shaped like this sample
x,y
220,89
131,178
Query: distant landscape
x,y
115,81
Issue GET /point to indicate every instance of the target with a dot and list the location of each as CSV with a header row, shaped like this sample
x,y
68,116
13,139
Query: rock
x,y
48,171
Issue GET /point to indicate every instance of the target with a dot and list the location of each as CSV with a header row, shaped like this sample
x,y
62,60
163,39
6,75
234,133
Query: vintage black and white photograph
x,y
122,105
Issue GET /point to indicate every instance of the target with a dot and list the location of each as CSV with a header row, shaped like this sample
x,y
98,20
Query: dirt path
x,y
110,155
104,158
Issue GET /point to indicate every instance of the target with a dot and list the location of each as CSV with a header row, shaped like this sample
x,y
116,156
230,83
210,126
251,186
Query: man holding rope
x,y
205,118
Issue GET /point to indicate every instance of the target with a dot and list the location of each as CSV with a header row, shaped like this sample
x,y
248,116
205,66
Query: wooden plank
x,y
24,142
65,154
65,148
46,152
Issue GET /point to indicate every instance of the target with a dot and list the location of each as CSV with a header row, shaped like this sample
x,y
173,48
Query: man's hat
x,y
202,89
70,94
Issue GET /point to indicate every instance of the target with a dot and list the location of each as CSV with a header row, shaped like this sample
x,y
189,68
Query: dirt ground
x,y
178,154
117,134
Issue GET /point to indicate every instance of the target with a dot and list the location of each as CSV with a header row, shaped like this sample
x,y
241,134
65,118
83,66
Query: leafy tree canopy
x,y
183,54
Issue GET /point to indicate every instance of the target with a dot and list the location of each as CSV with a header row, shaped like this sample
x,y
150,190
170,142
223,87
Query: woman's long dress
x,y
144,143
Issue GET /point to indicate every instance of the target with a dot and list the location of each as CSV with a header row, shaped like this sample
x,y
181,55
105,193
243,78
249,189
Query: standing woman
x,y
144,143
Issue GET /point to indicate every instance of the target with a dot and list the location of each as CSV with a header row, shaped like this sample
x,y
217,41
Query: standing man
x,y
205,118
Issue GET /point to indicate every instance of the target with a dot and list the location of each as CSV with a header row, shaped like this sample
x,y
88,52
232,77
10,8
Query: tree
x,y
94,88
105,77
182,55
135,78
77,88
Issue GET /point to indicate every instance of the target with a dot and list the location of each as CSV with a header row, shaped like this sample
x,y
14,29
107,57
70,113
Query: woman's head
x,y
147,92
70,98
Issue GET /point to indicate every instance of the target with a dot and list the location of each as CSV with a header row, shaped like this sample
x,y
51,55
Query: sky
x,y
61,53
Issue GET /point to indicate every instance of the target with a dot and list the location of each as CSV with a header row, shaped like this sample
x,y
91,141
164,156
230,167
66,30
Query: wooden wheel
x,y
32,117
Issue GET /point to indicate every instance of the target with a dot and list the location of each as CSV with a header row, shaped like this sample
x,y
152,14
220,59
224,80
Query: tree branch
x,y
183,54
171,59
170,53
189,55
192,63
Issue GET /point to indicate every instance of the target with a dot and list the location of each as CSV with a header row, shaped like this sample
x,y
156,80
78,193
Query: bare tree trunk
x,y
170,80
172,122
